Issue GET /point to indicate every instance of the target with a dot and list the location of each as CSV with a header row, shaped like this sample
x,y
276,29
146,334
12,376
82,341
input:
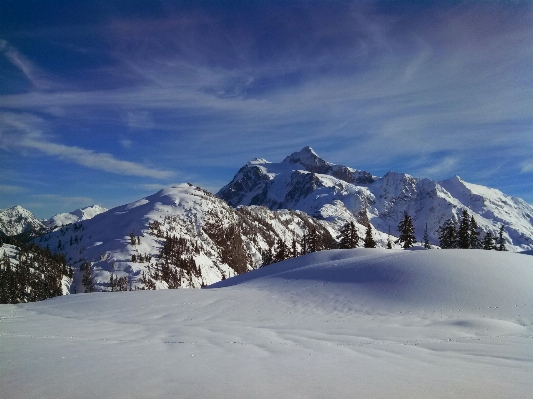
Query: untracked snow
x,y
363,323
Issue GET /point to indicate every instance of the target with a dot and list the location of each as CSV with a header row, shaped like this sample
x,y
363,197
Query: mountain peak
x,y
17,220
309,159
17,209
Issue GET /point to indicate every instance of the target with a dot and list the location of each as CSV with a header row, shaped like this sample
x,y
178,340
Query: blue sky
x,y
106,101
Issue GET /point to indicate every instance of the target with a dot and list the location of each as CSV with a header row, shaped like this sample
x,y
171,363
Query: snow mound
x,y
343,324
473,282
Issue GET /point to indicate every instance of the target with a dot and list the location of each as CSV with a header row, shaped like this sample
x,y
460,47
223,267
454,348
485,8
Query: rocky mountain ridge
x,y
182,236
303,181
16,221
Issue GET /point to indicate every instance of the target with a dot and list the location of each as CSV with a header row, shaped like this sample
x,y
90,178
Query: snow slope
x,y
305,182
335,324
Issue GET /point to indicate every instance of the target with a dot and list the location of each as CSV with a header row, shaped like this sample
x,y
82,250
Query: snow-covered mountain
x,y
196,236
306,182
78,215
18,220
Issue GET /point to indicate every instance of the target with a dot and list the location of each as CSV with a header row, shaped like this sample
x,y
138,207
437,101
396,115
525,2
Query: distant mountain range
x,y
18,221
306,182
78,215
184,236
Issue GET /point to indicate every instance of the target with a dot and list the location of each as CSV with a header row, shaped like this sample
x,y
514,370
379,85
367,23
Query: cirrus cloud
x,y
18,132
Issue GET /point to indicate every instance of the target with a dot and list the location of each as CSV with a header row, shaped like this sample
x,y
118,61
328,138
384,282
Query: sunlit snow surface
x,y
364,323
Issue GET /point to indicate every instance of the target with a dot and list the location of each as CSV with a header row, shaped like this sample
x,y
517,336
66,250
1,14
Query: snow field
x,y
343,323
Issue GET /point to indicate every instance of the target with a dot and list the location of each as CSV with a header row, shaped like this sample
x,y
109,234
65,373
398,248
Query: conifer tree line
x,y
466,234
35,274
312,240
174,263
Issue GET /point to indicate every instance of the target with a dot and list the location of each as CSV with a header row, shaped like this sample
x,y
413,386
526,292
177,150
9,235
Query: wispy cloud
x,y
94,160
364,85
125,143
442,167
527,167
32,73
17,133
389,94
139,120
11,189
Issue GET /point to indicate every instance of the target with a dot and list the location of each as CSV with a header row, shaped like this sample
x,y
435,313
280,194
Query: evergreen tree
x,y
389,242
87,279
304,242
369,240
36,274
501,241
133,241
348,236
448,235
427,245
294,251
267,257
407,231
313,242
475,242
344,236
5,277
282,252
488,241
463,235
